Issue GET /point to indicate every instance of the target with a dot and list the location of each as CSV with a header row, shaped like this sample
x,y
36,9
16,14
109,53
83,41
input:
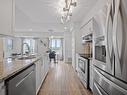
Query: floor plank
x,y
62,80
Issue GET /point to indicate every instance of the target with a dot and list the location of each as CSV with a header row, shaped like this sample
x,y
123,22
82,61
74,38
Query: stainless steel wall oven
x,y
100,49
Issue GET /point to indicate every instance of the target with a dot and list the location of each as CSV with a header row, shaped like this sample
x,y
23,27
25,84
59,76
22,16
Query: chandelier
x,y
65,9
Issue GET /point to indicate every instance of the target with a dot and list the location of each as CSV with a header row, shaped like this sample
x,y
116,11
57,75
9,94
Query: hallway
x,y
62,80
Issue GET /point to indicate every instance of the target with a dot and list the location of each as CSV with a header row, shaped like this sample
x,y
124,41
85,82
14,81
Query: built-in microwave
x,y
100,49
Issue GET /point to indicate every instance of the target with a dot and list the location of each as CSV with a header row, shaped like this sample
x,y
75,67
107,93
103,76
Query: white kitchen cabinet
x,y
42,68
39,75
46,65
6,17
2,88
91,75
88,28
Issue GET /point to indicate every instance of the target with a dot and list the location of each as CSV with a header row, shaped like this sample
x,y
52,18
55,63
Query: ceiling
x,y
42,15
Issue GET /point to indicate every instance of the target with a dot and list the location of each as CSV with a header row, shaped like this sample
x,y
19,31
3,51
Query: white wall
x,y
67,46
73,50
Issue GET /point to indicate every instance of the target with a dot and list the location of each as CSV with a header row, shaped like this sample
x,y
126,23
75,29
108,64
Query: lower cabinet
x,y
91,75
2,88
38,76
41,72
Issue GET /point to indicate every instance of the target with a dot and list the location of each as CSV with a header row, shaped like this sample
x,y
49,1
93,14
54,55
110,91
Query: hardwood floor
x,y
62,80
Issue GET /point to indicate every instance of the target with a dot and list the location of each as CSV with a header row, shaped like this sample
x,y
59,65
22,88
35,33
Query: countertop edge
x,y
15,72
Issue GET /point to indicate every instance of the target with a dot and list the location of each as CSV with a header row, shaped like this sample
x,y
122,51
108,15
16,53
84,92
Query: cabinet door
x,y
6,17
2,89
46,64
39,74
42,69
91,75
38,69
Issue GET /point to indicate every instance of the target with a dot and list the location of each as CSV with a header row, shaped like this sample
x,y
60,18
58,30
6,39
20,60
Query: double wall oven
x,y
110,52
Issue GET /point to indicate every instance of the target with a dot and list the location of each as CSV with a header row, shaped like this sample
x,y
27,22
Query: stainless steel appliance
x,y
110,77
22,83
100,49
83,71
87,38
105,84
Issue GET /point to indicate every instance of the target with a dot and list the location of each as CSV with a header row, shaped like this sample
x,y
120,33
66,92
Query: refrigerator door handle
x,y
115,22
107,27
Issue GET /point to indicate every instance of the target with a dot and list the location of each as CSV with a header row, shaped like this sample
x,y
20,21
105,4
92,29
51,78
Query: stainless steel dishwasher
x,y
23,83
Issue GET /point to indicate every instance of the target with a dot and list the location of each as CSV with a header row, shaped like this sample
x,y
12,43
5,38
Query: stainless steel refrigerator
x,y
110,52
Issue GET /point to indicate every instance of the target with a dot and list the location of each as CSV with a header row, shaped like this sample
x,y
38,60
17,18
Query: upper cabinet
x,y
87,28
6,17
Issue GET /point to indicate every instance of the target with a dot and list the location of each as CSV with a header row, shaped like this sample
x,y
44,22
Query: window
x,y
8,47
28,46
55,43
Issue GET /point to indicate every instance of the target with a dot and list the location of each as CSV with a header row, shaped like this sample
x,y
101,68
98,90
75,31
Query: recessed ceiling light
x,y
52,37
65,28
31,29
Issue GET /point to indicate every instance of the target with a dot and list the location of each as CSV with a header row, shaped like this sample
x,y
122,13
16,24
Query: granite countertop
x,y
87,56
10,67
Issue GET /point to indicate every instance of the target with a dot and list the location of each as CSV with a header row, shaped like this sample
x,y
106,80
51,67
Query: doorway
x,y
56,44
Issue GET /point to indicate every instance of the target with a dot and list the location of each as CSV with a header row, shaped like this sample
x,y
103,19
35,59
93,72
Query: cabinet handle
x,y
24,79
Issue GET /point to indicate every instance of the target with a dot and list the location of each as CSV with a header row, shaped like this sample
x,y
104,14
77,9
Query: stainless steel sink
x,y
26,57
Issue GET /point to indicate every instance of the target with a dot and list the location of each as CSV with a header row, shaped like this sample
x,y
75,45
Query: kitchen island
x,y
10,68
